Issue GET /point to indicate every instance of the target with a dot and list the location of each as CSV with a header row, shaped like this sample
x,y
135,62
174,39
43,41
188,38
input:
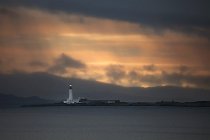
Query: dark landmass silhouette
x,y
15,101
119,103
7,101
52,87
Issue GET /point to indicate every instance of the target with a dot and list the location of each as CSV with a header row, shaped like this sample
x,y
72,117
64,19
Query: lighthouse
x,y
70,93
70,99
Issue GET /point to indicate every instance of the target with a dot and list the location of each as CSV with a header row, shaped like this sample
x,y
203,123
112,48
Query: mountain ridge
x,y
8,100
53,87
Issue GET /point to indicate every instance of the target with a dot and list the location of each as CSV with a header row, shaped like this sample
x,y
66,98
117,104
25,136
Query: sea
x,y
105,123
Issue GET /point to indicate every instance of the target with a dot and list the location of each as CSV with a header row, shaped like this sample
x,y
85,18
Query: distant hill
x,y
56,88
13,101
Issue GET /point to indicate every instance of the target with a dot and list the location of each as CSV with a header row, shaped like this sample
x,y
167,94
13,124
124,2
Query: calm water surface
x,y
105,123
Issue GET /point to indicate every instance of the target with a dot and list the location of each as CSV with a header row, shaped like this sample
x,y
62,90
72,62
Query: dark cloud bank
x,y
63,62
188,15
183,75
52,87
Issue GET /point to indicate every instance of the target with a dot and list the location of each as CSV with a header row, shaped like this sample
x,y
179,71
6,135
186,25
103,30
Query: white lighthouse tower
x,y
70,93
70,99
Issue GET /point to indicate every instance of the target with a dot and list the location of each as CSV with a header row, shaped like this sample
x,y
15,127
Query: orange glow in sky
x,y
111,51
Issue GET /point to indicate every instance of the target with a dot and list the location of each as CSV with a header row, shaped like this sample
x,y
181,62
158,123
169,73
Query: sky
x,y
131,43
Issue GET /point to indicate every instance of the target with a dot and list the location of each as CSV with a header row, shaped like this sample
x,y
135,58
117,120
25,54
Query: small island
x,y
86,102
70,101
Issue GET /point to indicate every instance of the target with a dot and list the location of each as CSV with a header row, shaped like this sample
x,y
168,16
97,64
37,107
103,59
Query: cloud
x,y
188,15
122,52
35,23
186,79
63,62
151,67
37,63
115,73
181,76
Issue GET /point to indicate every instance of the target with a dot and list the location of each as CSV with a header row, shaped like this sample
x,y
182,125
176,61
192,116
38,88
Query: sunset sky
x,y
143,43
